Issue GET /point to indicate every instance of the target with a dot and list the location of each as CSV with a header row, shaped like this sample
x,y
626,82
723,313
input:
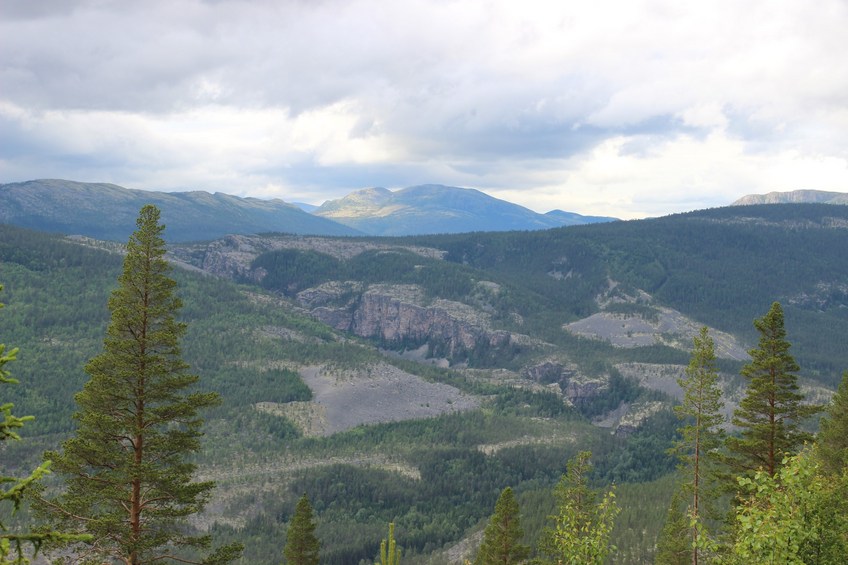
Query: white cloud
x,y
643,106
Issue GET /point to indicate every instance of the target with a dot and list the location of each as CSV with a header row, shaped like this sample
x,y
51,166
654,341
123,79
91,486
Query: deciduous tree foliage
x,y
796,517
302,547
128,478
580,533
833,435
12,490
502,537
770,414
389,551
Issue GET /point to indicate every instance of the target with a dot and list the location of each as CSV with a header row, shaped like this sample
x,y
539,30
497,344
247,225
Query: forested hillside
x,y
436,478
723,267
481,338
107,211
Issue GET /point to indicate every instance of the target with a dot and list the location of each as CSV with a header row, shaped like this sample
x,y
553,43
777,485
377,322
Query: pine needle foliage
x,y
127,472
770,414
701,435
302,547
502,536
674,545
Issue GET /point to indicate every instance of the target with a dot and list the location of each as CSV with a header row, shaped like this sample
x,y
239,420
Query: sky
x,y
630,108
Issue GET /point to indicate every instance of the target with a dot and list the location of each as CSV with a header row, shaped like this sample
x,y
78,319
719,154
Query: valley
x,y
410,379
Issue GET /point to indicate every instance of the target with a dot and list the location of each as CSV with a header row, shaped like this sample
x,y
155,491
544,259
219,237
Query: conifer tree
x,y
127,474
12,490
502,537
580,534
770,414
832,440
674,546
302,547
702,433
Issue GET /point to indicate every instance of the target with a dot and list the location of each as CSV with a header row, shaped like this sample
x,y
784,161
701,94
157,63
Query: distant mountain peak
x,y
794,197
437,208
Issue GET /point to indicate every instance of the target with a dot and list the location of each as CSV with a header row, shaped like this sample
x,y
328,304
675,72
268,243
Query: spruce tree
x,y
502,537
832,440
12,490
701,435
127,472
302,546
674,546
770,414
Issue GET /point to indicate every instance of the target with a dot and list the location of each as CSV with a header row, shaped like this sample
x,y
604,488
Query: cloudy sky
x,y
628,108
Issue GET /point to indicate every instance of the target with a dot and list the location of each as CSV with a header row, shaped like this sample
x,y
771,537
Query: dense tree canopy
x,y
12,490
796,517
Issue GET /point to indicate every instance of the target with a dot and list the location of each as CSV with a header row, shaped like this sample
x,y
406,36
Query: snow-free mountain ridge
x,y
108,211
434,208
794,197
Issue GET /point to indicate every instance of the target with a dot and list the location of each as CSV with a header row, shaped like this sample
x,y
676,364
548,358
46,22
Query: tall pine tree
x,y
770,414
302,546
127,471
702,433
502,537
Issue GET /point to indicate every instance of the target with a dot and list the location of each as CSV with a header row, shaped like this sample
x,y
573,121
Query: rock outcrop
x,y
400,314
577,388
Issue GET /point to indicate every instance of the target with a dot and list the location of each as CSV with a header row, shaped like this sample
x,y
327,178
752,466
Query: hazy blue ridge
x,y
433,208
108,211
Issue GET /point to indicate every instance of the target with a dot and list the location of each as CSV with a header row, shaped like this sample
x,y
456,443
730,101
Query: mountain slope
x,y
574,219
591,315
794,197
432,208
108,211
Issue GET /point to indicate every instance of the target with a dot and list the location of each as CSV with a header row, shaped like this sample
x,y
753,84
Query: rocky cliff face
x,y
577,388
399,314
395,314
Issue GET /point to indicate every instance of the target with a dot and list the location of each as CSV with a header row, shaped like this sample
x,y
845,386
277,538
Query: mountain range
x,y
433,208
108,211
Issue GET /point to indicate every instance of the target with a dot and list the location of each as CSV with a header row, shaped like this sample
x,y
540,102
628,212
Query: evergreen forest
x,y
554,416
